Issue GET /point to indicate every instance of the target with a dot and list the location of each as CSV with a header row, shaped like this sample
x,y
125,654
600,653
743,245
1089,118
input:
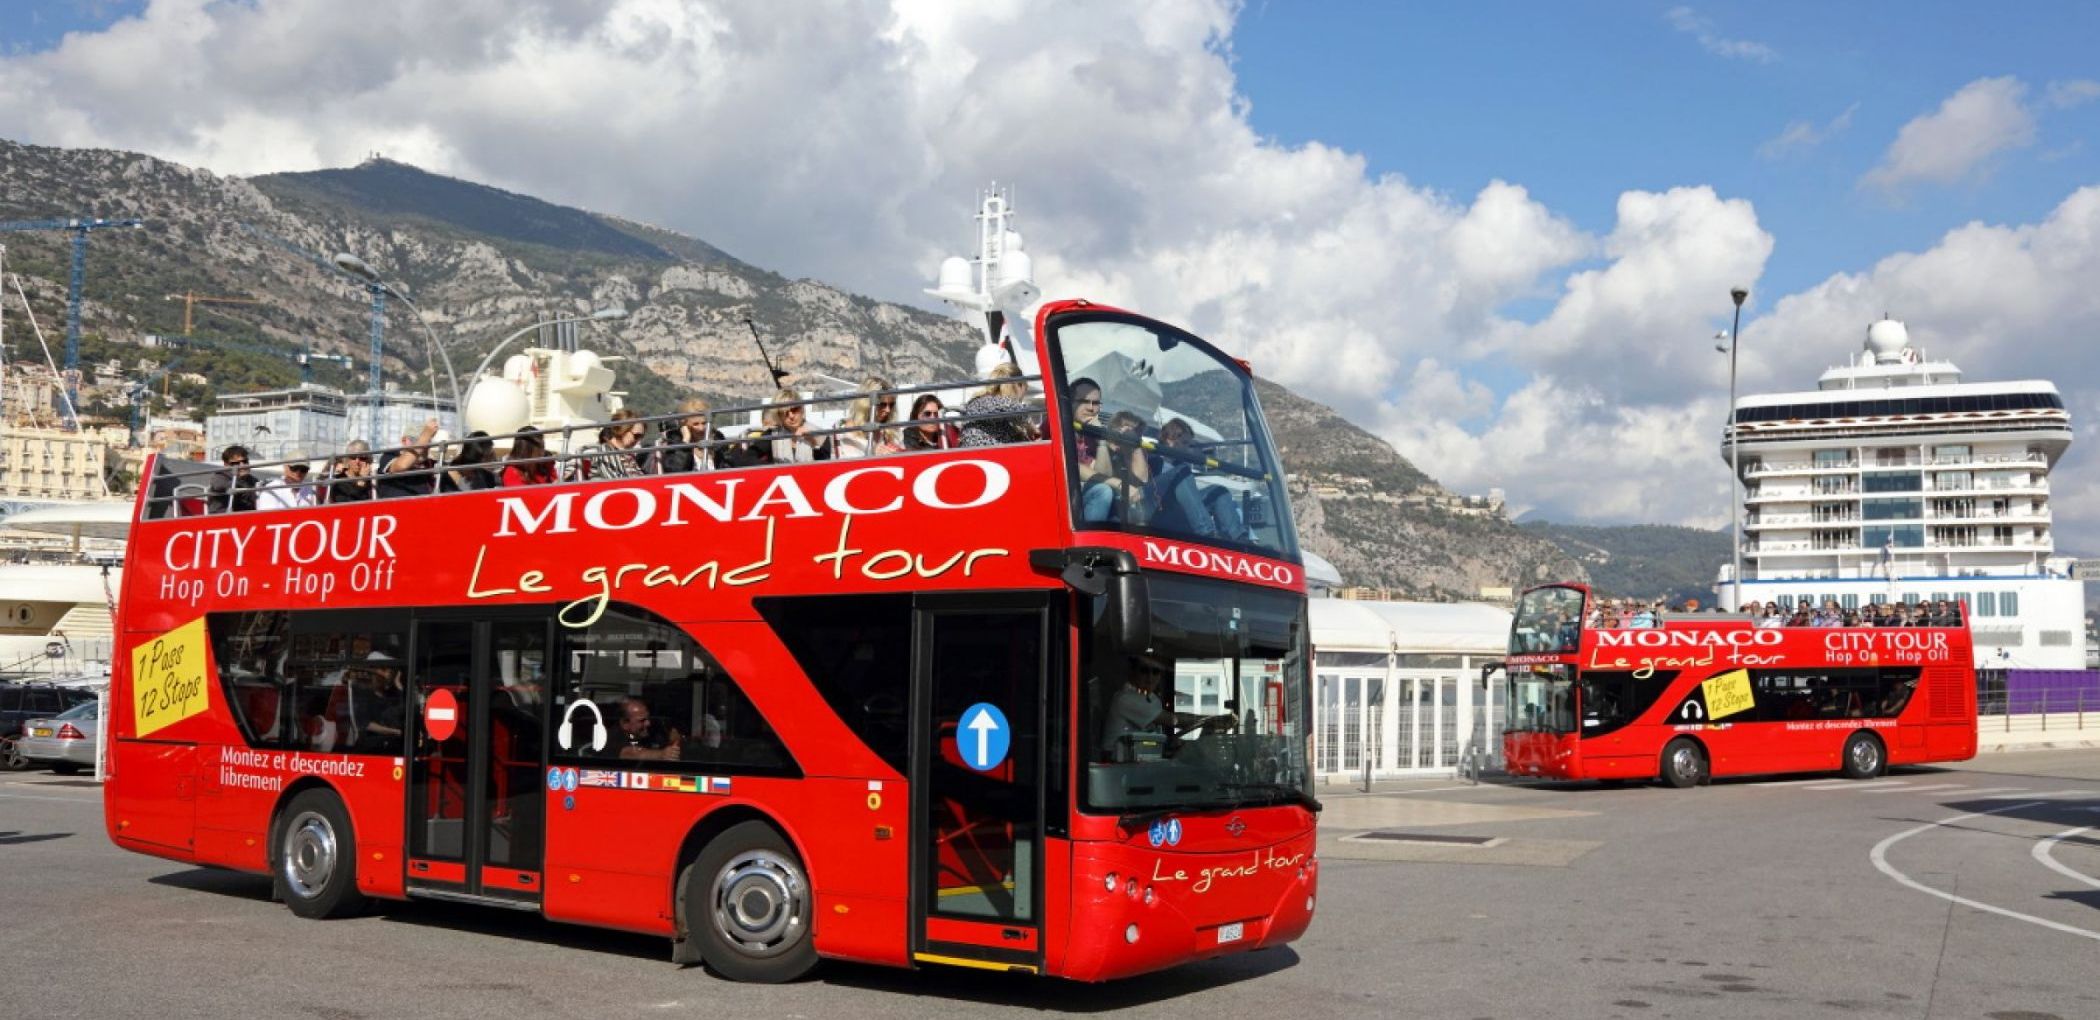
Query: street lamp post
x,y
1735,453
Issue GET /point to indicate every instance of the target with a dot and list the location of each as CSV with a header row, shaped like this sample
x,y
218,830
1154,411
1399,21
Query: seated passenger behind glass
x,y
1138,708
1118,489
639,735
1210,512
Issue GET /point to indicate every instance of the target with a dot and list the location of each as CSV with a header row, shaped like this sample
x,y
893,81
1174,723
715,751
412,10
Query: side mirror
x,y
1130,605
1096,571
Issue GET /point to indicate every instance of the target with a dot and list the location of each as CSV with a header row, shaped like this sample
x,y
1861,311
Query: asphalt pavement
x,y
1971,891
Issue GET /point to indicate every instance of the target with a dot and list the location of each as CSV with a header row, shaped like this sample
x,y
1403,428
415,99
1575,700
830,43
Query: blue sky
x,y
1311,184
1578,102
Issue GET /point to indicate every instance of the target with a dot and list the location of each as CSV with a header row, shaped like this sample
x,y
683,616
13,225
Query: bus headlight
x,y
1111,883
1130,933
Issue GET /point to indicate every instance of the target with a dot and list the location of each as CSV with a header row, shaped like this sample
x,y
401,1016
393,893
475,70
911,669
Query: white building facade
x,y
1893,480
1396,687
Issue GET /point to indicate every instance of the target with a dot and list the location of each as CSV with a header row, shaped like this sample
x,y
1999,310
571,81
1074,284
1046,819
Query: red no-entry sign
x,y
441,715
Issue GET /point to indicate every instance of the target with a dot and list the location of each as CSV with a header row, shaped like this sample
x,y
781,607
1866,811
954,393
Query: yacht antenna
x,y
779,376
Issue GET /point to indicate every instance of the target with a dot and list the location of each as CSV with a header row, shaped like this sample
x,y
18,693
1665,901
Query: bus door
x,y
978,689
476,800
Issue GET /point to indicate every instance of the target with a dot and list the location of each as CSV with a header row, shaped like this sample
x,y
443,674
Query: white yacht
x,y
56,610
1893,479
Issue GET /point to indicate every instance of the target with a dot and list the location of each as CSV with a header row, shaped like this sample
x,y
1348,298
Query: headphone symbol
x,y
566,734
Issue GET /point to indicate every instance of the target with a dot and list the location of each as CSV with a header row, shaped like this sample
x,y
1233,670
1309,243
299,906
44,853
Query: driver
x,y
1137,708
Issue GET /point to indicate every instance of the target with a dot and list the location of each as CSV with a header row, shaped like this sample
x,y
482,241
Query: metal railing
x,y
176,484
2046,710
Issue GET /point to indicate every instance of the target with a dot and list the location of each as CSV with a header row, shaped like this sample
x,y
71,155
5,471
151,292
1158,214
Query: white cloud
x,y
1688,21
1802,135
1984,118
846,140
2078,91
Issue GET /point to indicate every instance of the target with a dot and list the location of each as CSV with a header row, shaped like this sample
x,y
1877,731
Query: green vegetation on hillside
x,y
1644,561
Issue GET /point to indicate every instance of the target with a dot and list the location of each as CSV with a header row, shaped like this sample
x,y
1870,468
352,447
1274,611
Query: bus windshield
x,y
1212,717
1167,436
1541,700
1548,620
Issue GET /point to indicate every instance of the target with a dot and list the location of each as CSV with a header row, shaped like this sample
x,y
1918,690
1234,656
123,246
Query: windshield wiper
x,y
1290,793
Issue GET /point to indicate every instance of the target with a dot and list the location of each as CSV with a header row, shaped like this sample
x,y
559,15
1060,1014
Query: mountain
x,y
1645,561
481,262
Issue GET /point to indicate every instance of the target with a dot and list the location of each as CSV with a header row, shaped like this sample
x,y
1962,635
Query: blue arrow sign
x,y
984,737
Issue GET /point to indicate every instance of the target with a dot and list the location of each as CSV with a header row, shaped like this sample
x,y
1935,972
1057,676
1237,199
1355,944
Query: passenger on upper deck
x,y
613,455
395,479
864,415
678,448
1005,397
930,432
289,492
470,469
786,439
232,488
1211,512
350,477
527,463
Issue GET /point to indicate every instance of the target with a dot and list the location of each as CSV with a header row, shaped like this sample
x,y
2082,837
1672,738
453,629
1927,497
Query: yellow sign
x,y
167,678
1728,694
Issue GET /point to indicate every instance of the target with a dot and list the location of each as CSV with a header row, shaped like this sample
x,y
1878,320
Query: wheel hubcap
x,y
1685,761
1864,757
309,854
758,903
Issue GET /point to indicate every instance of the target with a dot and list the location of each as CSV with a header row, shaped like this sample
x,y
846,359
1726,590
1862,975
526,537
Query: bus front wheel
x,y
747,900
1683,764
1864,756
316,871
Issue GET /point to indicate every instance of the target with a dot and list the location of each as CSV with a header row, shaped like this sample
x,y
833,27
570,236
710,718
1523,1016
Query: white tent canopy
x,y
1360,626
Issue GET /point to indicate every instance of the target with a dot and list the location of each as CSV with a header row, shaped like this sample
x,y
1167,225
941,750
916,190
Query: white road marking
x,y
2044,852
1997,792
1878,788
1879,855
1862,785
54,800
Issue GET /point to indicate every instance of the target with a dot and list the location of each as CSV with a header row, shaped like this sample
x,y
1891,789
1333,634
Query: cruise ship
x,y
1893,479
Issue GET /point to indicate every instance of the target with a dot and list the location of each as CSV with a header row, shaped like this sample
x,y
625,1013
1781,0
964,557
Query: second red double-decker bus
x,y
1702,695
944,705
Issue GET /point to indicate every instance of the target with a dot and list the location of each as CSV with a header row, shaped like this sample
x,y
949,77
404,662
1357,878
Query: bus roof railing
x,y
176,482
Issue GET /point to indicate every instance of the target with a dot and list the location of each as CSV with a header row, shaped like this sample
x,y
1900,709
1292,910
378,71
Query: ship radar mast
x,y
995,288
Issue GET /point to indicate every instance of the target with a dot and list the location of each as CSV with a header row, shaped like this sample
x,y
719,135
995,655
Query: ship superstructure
x,y
1896,480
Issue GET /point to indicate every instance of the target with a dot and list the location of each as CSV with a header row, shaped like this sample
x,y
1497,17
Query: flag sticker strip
x,y
608,779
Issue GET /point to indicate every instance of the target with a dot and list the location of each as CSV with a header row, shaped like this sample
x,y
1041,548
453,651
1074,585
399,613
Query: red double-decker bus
x,y
1699,695
930,707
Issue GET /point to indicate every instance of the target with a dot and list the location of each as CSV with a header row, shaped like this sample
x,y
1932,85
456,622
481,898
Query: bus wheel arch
x,y
766,935
313,852
1864,756
1686,762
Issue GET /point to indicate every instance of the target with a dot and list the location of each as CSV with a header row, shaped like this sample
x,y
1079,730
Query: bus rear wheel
x,y
316,858
1683,764
747,900
1865,758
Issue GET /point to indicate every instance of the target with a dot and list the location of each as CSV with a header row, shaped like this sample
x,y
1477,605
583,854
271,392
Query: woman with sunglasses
x,y
864,416
929,429
786,439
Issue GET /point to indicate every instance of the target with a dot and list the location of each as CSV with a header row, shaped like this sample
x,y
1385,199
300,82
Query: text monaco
x,y
860,492
1194,558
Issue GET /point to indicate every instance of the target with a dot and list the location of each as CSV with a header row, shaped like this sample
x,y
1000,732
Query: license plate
x,y
1233,932
40,731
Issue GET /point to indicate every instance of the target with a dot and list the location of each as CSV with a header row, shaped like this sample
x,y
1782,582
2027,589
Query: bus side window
x,y
697,714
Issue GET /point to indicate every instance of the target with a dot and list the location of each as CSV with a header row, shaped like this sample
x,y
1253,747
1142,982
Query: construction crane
x,y
191,299
80,227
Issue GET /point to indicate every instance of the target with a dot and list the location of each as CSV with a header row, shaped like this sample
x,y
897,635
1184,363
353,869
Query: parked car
x,y
21,702
65,742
